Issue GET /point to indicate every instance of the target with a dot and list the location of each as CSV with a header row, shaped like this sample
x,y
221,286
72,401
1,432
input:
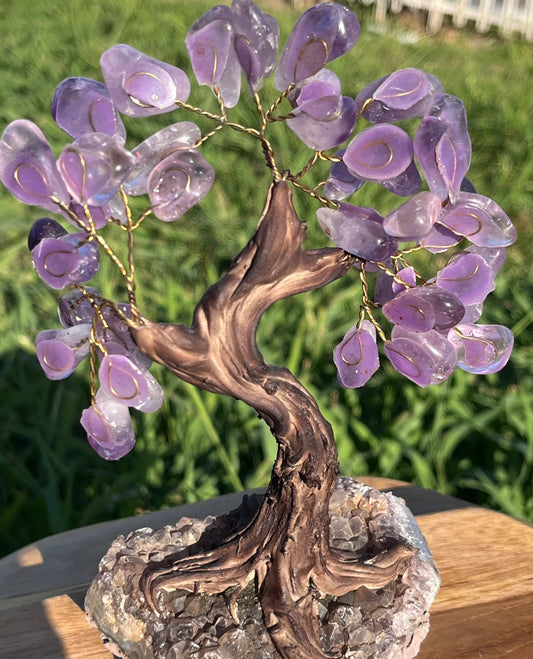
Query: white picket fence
x,y
509,16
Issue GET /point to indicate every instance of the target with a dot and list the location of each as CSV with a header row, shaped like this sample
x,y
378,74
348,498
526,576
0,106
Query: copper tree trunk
x,y
286,546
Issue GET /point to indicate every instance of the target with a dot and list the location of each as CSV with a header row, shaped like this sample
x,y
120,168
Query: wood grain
x,y
484,609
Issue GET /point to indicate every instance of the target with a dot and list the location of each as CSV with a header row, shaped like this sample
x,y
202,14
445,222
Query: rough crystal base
x,y
389,623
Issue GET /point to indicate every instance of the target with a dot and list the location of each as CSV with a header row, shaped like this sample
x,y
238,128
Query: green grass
x,y
471,436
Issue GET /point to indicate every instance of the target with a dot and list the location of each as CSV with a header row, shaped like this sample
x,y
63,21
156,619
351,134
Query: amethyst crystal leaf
x,y
379,153
323,134
109,427
480,220
410,358
177,137
124,381
415,218
94,167
28,167
69,259
358,231
356,357
214,60
82,105
404,94
60,351
440,351
140,85
323,33
255,42
482,349
468,276
179,182
442,146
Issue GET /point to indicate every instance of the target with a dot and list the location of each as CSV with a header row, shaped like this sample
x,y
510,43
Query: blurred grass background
x,y
471,437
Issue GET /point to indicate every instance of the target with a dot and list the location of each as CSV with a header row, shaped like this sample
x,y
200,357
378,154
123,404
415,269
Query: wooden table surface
x,y
484,609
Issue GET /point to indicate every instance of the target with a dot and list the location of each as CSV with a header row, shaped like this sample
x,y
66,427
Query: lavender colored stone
x,y
481,349
124,381
93,167
256,42
415,218
379,153
108,426
404,94
358,231
389,623
323,33
176,137
28,167
141,86
356,357
82,105
468,276
178,182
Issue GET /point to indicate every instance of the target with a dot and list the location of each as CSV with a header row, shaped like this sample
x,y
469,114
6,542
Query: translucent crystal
x,y
442,146
93,167
424,308
28,167
403,94
358,231
341,182
440,351
379,152
447,307
214,60
69,259
178,182
468,276
157,147
140,85
256,42
479,219
410,358
60,351
323,33
122,379
413,219
356,357
411,311
82,105
109,427
482,349
322,122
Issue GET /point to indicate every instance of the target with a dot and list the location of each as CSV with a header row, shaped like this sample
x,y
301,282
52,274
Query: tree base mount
x,y
389,622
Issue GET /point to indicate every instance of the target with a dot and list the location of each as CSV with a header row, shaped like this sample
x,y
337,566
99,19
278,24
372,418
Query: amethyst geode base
x,y
388,623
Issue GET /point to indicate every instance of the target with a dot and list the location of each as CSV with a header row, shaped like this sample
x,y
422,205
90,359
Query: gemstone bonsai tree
x,y
428,323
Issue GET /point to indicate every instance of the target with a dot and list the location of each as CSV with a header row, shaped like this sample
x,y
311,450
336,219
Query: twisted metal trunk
x,y
286,545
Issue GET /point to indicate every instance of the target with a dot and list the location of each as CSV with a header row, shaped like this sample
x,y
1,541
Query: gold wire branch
x,y
368,304
312,160
278,102
400,257
311,192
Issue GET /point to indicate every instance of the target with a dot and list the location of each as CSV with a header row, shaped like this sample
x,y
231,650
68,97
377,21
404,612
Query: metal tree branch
x,y
286,546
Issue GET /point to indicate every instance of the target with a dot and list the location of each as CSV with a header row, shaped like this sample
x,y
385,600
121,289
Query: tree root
x,y
290,577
